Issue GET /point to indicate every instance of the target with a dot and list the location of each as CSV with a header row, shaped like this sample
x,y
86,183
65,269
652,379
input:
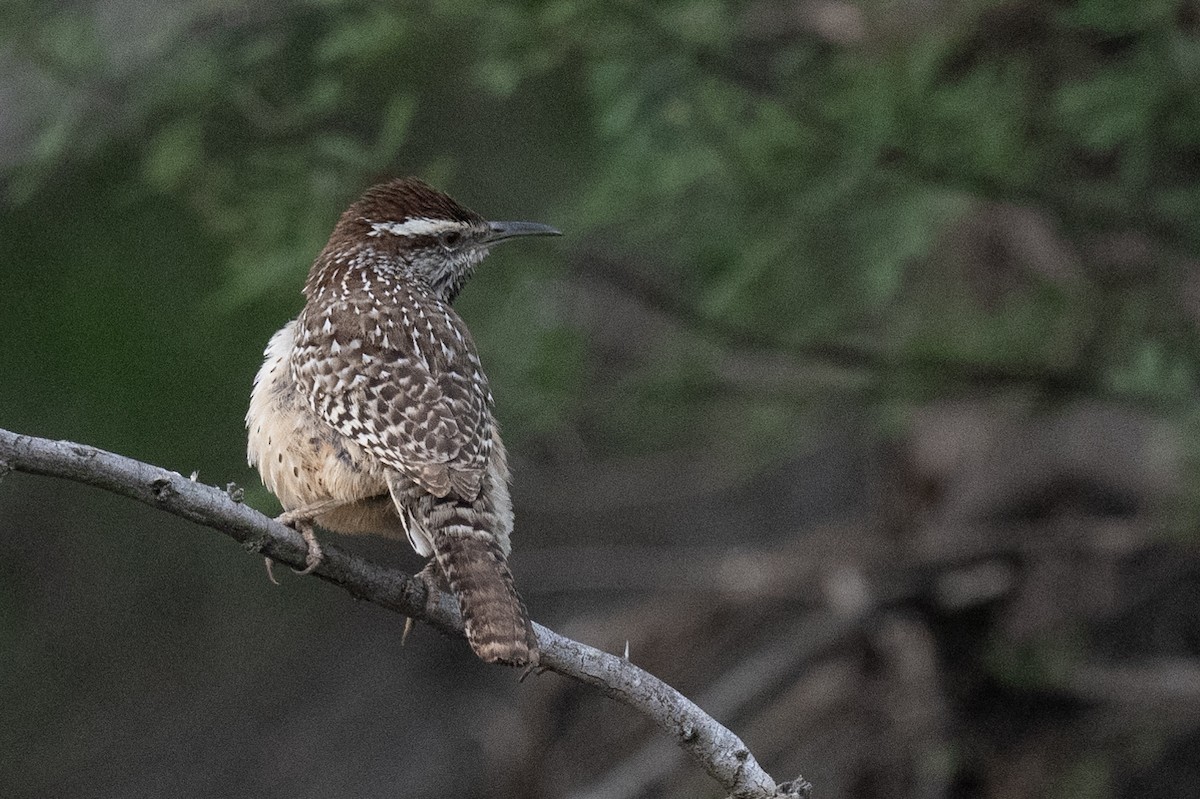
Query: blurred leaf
x,y
176,152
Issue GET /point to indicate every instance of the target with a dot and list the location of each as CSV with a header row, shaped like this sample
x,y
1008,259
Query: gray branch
x,y
719,751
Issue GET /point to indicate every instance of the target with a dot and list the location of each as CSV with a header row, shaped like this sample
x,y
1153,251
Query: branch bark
x,y
721,753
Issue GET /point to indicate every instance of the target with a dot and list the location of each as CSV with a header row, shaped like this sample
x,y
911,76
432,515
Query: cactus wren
x,y
371,413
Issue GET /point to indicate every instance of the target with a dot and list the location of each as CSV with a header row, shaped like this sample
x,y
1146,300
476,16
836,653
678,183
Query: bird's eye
x,y
450,239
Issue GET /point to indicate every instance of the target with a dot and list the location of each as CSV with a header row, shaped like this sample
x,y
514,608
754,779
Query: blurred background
x,y
859,398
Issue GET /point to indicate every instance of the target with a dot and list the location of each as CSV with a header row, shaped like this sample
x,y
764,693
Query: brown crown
x,y
406,198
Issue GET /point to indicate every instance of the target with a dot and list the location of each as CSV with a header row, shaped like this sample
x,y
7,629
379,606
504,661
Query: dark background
x,y
860,397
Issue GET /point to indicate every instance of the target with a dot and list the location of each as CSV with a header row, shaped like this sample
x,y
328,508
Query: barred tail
x,y
497,624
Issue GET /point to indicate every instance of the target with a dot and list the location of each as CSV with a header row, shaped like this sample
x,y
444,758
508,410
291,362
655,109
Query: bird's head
x,y
408,226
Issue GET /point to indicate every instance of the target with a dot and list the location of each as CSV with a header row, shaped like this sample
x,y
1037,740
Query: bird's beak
x,y
510,230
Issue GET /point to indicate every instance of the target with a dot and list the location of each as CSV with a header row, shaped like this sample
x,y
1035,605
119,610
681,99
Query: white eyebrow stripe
x,y
418,226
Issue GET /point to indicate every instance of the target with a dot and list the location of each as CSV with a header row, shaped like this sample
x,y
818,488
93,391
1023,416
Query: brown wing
x,y
399,375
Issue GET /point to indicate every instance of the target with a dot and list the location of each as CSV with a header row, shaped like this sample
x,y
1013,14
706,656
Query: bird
x,y
372,413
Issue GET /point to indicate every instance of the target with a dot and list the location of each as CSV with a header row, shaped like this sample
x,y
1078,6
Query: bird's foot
x,y
435,581
433,577
300,519
315,554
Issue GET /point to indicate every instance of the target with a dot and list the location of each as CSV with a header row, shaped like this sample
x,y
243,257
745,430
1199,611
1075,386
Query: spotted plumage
x,y
373,411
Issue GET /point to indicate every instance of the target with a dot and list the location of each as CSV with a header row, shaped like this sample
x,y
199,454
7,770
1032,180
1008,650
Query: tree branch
x,y
719,751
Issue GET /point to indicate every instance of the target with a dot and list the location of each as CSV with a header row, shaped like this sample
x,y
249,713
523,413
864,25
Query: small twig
x,y
719,751
1165,685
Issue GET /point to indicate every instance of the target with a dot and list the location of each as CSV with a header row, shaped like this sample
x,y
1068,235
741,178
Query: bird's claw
x,y
315,556
300,520
270,570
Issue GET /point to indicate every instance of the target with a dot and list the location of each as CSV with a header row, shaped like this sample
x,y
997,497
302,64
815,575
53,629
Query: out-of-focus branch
x,y
719,751
871,360
850,356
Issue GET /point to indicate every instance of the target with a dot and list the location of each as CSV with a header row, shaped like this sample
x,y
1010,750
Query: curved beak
x,y
500,231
